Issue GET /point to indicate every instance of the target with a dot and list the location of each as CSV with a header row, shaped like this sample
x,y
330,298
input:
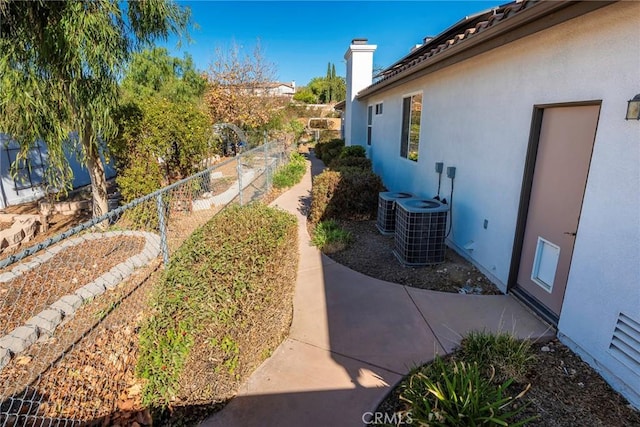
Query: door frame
x,y
523,207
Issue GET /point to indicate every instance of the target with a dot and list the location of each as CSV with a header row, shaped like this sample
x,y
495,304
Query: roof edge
x,y
524,22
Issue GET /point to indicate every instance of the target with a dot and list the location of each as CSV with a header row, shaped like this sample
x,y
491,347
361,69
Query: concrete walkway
x,y
354,337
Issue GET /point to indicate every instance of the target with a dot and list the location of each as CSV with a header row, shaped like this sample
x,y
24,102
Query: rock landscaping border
x,y
46,322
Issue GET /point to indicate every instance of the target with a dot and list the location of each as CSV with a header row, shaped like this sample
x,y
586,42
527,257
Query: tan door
x,y
559,179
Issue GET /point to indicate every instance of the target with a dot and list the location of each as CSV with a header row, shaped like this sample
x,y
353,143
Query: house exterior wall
x,y
477,117
9,196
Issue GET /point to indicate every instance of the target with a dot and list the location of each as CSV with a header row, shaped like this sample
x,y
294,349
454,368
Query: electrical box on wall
x,y
439,167
451,172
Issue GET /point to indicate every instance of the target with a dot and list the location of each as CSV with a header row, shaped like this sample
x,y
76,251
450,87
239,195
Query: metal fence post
x,y
239,168
162,225
266,164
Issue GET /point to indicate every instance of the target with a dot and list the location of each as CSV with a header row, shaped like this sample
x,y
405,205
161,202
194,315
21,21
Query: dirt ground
x,y
371,253
565,391
59,223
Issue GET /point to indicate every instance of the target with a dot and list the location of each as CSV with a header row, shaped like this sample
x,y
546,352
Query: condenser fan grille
x,y
420,232
386,220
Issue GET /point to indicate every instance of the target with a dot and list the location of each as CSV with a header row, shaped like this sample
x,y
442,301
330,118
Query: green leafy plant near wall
x,y
327,151
291,173
456,393
481,383
353,151
329,237
226,296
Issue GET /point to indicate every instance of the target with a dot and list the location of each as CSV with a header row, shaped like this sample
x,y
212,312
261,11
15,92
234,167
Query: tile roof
x,y
463,30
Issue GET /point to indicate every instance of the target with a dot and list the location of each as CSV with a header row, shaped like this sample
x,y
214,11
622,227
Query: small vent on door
x,y
625,343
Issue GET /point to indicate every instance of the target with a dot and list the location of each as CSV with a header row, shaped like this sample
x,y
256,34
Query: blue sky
x,y
301,37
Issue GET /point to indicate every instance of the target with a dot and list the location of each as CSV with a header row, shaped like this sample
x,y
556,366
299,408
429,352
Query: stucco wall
x,y
477,117
359,68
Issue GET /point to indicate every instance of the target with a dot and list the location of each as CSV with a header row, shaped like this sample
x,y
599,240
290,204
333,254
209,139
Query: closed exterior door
x,y
562,164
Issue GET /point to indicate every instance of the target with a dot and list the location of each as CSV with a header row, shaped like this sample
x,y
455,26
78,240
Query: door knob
x,y
570,234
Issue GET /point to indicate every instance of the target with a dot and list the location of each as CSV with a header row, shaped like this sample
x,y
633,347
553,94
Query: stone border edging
x,y
46,322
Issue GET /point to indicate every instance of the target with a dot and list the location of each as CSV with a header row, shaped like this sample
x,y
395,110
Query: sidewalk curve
x,y
354,337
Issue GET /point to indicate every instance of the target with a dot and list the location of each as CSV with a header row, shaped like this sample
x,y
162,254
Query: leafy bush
x,y
350,162
290,174
327,151
502,352
351,193
159,141
457,394
353,151
329,237
224,301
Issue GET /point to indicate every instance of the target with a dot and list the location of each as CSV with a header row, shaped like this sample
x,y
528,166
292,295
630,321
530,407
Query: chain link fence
x,y
70,306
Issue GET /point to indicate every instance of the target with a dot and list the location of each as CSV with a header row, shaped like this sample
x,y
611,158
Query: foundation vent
x,y
625,343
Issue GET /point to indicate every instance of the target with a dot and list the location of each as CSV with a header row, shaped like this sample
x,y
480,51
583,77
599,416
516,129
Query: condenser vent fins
x,y
420,232
386,222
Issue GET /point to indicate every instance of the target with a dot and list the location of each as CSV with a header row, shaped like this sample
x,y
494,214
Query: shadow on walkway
x,y
354,337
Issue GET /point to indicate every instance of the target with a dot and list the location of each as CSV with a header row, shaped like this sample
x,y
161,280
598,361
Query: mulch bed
x,y
565,392
69,270
86,371
371,253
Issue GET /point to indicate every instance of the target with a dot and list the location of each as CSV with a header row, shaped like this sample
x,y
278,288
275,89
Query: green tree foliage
x,y
160,141
331,88
163,131
153,72
59,67
306,95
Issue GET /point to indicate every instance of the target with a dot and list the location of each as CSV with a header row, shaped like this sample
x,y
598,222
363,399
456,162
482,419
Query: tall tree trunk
x,y
98,179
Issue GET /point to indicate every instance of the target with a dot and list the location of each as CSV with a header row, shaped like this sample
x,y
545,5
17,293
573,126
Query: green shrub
x,y
348,194
502,352
457,394
291,173
233,275
350,162
327,151
329,237
353,151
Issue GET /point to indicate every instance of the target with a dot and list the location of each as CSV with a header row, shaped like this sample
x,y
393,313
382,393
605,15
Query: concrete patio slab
x,y
356,316
453,315
302,385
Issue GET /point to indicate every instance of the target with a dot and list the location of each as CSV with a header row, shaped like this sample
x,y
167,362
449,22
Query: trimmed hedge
x,y
224,302
351,193
353,151
351,162
327,151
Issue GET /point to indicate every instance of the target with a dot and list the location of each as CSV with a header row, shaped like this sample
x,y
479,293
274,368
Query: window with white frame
x,y
378,108
410,136
369,123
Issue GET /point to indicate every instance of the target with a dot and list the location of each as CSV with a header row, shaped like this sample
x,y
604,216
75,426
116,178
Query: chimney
x,y
359,58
